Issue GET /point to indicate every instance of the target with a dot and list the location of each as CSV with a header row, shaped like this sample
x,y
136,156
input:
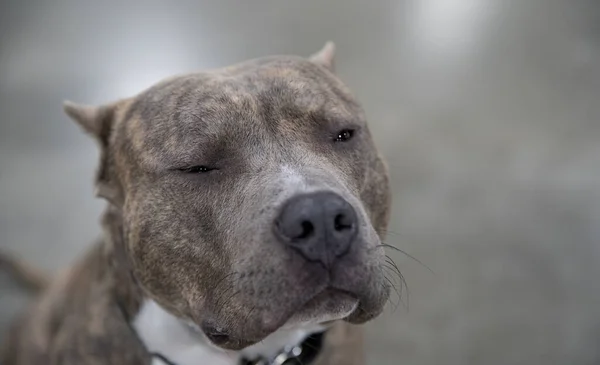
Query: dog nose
x,y
321,226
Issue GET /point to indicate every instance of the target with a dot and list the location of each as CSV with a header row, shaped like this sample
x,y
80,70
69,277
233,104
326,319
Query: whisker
x,y
217,288
387,245
391,262
221,295
226,276
402,282
391,268
395,305
220,309
391,232
397,271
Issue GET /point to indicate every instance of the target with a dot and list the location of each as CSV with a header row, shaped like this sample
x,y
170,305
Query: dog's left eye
x,y
344,135
197,169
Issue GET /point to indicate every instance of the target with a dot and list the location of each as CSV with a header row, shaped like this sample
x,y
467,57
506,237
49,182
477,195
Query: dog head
x,y
252,197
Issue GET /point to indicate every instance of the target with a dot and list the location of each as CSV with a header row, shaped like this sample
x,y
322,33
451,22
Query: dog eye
x,y
197,169
344,135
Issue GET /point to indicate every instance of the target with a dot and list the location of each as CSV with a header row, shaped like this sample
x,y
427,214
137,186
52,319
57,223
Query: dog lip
x,y
214,333
320,304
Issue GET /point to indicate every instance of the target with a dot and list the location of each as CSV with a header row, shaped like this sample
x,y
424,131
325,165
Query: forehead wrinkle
x,y
283,93
307,97
231,139
283,100
188,120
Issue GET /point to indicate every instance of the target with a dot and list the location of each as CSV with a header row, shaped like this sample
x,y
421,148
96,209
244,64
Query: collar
x,y
303,353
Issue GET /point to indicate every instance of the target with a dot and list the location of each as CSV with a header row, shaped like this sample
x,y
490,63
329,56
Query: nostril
x,y
307,230
342,222
320,226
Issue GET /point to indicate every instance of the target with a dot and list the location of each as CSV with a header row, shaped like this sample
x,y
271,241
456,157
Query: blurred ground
x,y
488,112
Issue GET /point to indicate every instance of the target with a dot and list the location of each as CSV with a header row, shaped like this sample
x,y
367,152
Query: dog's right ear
x,y
94,120
98,121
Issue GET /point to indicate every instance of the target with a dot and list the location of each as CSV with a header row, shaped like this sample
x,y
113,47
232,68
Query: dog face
x,y
252,196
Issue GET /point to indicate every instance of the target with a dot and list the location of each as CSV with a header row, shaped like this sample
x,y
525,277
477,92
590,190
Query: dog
x,y
246,208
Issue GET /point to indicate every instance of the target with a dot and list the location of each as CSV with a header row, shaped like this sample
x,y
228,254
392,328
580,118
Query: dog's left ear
x,y
94,120
326,56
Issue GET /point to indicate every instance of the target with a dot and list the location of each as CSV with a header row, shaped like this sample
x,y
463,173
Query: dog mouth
x,y
324,308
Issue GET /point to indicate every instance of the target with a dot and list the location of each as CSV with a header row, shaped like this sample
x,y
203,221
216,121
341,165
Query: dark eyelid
x,y
195,169
350,126
343,127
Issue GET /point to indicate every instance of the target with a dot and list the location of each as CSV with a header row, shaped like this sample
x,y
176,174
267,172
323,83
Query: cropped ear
x,y
98,121
326,56
94,120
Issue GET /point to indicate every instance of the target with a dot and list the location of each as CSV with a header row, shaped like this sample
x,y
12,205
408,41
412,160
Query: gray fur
x,y
201,245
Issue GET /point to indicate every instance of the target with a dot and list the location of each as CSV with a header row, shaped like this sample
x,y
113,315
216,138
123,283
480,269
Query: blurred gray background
x,y
488,112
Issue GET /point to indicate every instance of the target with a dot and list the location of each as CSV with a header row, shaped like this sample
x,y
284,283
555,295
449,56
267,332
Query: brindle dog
x,y
246,207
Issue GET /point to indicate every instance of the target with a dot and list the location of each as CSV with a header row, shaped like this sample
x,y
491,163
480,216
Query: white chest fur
x,y
165,334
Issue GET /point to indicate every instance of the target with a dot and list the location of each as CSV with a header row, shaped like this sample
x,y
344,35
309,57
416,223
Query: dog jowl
x,y
246,199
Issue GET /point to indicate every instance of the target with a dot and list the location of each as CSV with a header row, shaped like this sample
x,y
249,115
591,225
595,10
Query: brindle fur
x,y
200,245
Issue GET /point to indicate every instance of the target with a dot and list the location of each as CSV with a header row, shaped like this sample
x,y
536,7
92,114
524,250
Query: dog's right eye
x,y
197,169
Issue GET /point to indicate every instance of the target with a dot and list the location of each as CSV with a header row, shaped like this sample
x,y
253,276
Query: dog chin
x,y
317,314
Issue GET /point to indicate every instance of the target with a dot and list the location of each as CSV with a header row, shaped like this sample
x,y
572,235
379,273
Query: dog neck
x,y
125,289
170,339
